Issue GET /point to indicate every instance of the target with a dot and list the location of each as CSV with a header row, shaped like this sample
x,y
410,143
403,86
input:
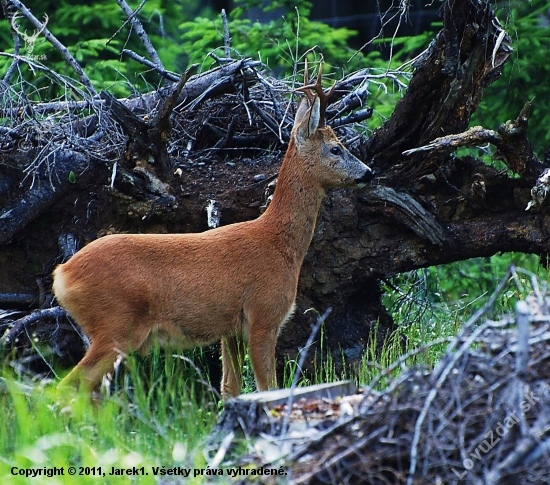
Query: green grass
x,y
428,306
432,303
162,410
160,420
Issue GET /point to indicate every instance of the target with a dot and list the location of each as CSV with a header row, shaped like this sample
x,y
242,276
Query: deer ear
x,y
307,120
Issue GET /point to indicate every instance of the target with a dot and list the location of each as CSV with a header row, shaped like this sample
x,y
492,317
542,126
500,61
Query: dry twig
x,y
58,45
140,31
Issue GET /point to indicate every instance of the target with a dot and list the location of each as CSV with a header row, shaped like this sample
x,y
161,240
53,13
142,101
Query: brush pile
x,y
482,415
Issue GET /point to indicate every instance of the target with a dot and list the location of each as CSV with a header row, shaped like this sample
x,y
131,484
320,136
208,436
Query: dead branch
x,y
216,82
20,325
475,136
23,300
162,118
140,31
226,35
160,129
9,12
470,430
151,137
170,76
353,118
513,146
58,45
209,84
272,124
67,83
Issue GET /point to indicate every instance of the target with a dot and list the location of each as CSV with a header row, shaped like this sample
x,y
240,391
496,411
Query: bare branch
x,y
127,21
475,136
8,12
226,36
58,45
163,72
511,141
34,317
140,31
446,365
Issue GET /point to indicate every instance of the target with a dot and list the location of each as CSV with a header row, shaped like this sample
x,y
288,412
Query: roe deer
x,y
236,282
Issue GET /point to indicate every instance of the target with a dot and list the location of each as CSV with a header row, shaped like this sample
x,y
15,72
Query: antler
x,y
319,92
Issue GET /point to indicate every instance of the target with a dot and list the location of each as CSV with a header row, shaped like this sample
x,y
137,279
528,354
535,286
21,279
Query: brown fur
x,y
234,283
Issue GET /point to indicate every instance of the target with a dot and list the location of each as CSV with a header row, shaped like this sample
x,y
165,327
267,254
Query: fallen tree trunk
x,y
427,206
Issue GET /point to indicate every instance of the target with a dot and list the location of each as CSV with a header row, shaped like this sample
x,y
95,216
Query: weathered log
x,y
46,190
260,412
427,206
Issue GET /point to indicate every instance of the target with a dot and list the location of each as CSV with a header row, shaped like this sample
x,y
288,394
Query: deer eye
x,y
336,150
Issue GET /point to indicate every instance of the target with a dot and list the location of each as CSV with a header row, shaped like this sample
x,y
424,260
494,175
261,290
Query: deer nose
x,y
366,177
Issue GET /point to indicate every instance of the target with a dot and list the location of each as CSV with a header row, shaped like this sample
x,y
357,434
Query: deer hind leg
x,y
99,360
233,361
101,356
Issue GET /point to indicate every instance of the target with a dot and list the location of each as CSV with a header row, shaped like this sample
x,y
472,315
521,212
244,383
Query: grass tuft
x,y
159,417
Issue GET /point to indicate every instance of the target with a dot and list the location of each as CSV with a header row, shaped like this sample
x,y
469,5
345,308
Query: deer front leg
x,y
262,356
232,362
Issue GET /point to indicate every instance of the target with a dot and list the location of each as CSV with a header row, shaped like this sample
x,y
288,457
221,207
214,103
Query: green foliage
x,y
160,417
466,284
302,6
278,43
524,75
90,31
431,303
325,362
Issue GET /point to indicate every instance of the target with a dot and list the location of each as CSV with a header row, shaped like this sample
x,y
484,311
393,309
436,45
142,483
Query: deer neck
x,y
292,213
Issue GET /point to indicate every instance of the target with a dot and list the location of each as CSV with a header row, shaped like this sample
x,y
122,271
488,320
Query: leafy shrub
x,y
278,43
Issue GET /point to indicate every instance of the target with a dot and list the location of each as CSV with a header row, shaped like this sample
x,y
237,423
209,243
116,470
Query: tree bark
x,y
365,236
